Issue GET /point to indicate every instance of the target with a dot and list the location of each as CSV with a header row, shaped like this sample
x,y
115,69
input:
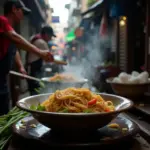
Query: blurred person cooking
x,y
14,11
33,62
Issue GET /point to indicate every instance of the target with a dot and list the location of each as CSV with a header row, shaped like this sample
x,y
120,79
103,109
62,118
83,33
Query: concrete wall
x,y
26,30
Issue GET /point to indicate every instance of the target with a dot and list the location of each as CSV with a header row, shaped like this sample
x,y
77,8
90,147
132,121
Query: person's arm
x,y
25,45
8,31
19,63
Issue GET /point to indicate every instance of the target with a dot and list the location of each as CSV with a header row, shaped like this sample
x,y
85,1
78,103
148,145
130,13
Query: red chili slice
x,y
92,102
107,110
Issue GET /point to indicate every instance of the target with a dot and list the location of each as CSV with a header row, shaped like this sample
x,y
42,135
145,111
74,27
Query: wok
x,y
52,86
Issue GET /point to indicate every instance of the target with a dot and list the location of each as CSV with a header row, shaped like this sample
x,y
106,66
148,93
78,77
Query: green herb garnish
x,y
42,85
65,110
87,111
37,90
33,107
39,107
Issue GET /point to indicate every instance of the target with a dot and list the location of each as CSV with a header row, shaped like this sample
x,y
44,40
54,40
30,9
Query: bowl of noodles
x,y
74,108
62,81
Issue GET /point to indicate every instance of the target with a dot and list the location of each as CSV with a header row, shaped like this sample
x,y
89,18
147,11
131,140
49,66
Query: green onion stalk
x,y
14,115
6,122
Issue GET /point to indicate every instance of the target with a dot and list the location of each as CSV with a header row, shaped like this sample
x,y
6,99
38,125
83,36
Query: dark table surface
x,y
138,143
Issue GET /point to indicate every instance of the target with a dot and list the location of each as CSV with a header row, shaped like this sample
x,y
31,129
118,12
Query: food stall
x,y
127,127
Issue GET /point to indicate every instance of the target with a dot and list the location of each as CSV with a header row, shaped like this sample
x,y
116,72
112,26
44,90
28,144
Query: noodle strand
x,y
77,100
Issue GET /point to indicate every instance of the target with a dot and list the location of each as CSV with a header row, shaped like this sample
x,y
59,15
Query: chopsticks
x,y
25,76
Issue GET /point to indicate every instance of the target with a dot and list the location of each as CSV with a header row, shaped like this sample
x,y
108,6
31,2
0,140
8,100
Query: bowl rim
x,y
109,80
75,114
46,79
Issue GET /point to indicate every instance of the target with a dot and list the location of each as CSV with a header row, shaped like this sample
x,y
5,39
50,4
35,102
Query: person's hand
x,y
23,71
47,56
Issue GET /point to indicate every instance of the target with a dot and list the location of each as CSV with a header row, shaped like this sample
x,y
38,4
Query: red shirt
x,y
4,41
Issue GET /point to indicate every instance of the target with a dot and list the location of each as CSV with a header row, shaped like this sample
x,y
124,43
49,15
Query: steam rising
x,y
93,57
